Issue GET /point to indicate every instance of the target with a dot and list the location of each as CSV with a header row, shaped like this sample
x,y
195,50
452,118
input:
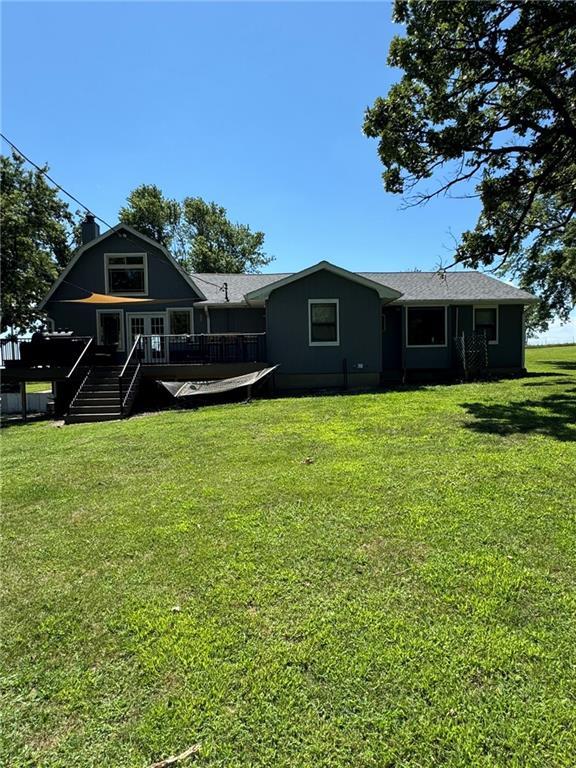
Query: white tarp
x,y
188,388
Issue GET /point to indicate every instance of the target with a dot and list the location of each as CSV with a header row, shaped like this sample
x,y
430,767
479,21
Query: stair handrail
x,y
80,387
124,398
134,346
129,390
77,363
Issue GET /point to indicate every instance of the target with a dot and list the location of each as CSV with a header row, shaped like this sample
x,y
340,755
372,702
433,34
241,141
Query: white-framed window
x,y
126,274
323,322
486,321
181,321
110,327
426,326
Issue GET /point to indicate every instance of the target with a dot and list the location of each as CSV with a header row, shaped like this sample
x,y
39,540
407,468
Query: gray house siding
x,y
508,353
237,320
233,320
164,280
360,347
200,324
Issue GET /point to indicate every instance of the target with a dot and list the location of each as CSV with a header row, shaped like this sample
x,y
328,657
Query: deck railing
x,y
10,348
48,351
203,348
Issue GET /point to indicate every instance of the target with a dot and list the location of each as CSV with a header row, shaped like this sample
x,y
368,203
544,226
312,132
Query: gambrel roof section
x,y
133,234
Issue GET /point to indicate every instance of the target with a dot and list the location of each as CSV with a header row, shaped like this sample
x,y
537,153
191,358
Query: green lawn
x,y
373,580
39,386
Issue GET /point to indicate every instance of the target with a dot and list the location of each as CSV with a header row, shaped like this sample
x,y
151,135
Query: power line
x,y
45,173
222,287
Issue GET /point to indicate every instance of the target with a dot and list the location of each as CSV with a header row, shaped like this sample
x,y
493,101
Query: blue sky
x,y
257,106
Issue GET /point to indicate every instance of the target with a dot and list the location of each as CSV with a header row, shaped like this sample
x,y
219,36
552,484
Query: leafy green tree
x,y
487,102
218,245
149,212
36,235
198,233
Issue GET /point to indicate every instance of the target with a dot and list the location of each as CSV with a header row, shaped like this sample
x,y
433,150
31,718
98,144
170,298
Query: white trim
x,y
122,342
487,306
119,267
207,313
382,290
323,343
428,346
190,311
133,233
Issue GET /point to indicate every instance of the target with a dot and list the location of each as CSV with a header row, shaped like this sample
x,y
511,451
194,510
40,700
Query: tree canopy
x,y
487,103
152,214
36,239
198,233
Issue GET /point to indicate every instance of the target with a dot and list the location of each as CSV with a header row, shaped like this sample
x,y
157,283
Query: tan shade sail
x,y
102,298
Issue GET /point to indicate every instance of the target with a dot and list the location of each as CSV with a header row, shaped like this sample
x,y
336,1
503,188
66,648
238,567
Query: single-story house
x,y
319,325
124,311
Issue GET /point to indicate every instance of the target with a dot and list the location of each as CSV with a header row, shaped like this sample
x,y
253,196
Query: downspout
x,y
207,313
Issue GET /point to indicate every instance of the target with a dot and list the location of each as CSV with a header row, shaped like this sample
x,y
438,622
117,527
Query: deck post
x,y
23,400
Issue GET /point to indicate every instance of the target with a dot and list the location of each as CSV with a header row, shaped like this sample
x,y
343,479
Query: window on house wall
x,y
126,273
180,321
426,326
486,321
323,322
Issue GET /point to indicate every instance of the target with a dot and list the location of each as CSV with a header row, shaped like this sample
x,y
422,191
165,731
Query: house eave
x,y
229,304
472,302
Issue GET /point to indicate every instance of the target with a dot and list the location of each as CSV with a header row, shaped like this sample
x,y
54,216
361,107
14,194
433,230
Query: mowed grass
x,y
374,580
38,386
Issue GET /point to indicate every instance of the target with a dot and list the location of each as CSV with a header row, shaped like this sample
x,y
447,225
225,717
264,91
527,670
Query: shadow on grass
x,y
553,415
547,383
567,365
16,420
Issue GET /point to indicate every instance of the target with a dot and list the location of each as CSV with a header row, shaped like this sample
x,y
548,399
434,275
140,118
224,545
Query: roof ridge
x,y
357,272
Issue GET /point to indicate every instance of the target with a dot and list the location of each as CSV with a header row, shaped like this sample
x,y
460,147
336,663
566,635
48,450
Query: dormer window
x,y
126,274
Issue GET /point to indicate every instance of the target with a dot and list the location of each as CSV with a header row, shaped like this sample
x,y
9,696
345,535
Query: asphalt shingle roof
x,y
415,286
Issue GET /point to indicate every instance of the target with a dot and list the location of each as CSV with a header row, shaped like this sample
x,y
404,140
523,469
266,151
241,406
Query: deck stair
x,y
100,397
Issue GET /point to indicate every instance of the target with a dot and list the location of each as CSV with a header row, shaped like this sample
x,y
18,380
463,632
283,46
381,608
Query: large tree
x,y
36,239
487,104
198,233
151,213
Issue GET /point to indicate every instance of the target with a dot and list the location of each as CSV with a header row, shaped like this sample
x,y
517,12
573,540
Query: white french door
x,y
153,327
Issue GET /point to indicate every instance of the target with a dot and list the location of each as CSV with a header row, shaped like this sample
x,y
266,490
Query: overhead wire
x,y
222,286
